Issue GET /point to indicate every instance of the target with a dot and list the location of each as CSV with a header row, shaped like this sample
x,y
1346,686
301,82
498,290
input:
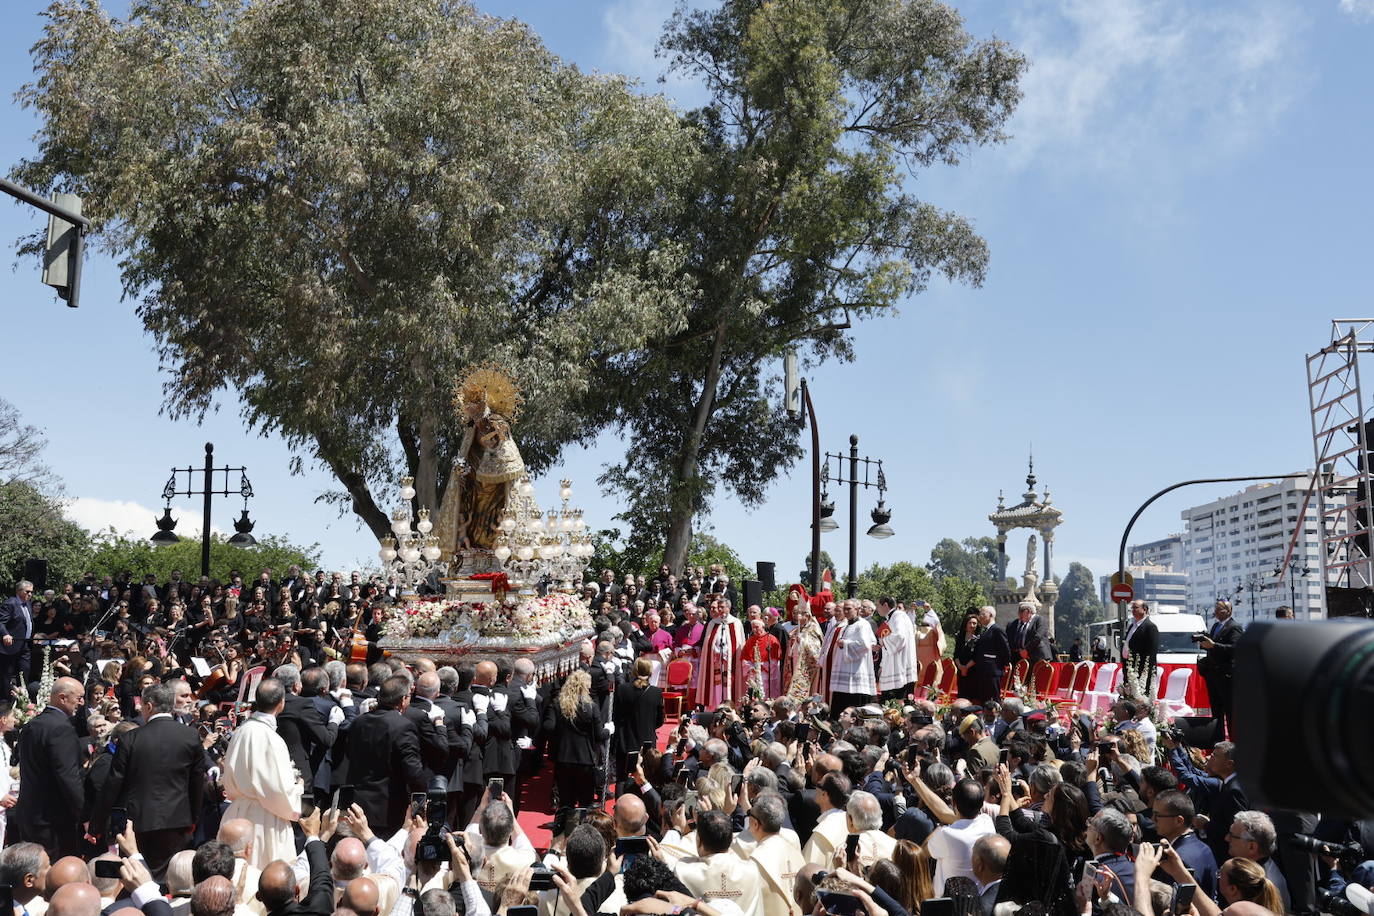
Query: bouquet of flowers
x,y
420,619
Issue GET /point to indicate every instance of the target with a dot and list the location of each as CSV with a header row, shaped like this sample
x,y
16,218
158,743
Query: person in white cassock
x,y
847,661
717,873
865,817
832,825
777,855
262,786
722,659
897,634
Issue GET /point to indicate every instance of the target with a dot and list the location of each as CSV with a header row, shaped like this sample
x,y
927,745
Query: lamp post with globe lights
x,y
411,552
533,546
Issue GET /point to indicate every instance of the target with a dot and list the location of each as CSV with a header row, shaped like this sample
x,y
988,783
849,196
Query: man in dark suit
x,y
384,762
158,777
1173,813
1141,645
1026,636
989,862
1216,793
460,721
336,712
16,636
307,733
498,753
476,698
1109,837
49,808
526,714
1218,662
277,884
430,725
991,655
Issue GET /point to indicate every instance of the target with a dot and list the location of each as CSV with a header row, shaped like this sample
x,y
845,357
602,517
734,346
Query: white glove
x,y
436,715
609,728
480,702
524,743
213,773
527,692
367,704
499,701
467,717
336,715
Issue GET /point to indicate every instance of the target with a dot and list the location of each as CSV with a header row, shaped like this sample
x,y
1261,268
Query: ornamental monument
x,y
1036,513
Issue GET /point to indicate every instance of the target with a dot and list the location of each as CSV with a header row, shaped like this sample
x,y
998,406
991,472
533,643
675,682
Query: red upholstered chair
x,y
930,674
1081,679
949,676
1064,686
679,681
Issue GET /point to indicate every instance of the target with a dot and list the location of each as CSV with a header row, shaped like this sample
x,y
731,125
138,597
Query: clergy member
x,y
722,658
762,662
847,660
262,786
897,679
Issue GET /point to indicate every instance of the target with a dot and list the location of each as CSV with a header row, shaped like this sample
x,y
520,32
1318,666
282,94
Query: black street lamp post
x,y
1294,569
243,526
880,515
1254,586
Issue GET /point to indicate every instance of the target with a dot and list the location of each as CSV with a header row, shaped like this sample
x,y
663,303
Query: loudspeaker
x,y
766,575
753,594
1348,602
36,571
1200,731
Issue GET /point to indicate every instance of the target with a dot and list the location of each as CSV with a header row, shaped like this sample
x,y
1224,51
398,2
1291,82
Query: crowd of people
x,y
801,776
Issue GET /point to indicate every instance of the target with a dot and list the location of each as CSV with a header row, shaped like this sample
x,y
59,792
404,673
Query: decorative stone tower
x,y
1036,513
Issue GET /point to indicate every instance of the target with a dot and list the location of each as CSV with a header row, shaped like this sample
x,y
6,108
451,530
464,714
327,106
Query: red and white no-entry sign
x,y
1122,591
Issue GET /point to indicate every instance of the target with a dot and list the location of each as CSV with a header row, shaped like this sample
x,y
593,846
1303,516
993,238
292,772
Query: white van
x,y
1176,629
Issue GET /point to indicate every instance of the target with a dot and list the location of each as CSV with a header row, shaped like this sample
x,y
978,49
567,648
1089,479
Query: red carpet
x,y
536,793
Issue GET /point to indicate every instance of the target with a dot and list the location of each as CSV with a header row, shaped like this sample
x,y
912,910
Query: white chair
x,y
1101,695
1175,692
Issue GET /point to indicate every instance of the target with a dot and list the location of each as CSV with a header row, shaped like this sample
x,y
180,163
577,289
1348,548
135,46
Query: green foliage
x,y
973,559
951,595
114,553
32,526
1077,606
797,224
642,557
334,209
805,574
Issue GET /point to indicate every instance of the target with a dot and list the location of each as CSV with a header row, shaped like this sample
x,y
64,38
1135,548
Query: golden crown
x,y
491,385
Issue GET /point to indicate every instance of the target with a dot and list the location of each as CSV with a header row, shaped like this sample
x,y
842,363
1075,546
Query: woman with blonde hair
x,y
574,721
1244,879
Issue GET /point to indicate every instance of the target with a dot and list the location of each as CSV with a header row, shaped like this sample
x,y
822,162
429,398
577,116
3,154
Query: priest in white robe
x,y
260,781
897,634
847,661
719,874
722,659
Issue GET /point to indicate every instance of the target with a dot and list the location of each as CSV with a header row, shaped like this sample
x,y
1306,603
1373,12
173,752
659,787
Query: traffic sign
x,y
1122,576
1122,591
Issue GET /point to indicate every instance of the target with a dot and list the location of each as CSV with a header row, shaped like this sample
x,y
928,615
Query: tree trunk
x,y
427,468
364,506
682,500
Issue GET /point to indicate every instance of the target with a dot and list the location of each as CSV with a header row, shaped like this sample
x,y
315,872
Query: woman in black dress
x,y
637,713
964,642
574,721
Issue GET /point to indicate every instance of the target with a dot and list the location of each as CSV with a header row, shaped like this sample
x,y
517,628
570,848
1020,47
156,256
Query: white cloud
x,y
128,517
1112,82
633,28
1361,10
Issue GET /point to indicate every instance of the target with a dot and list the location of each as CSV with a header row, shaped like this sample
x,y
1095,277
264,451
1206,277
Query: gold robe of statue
x,y
479,487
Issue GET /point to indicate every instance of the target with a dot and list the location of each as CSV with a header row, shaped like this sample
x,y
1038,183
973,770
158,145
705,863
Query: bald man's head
x,y
349,859
427,685
361,897
630,816
237,834
215,896
486,673
276,885
79,899
424,665
66,870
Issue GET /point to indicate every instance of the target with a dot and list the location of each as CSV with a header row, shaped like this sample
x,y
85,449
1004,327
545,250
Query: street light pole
x,y
881,515
243,526
815,490
205,510
851,587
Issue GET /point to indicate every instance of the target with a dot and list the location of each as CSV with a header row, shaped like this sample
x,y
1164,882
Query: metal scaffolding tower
x,y
1342,427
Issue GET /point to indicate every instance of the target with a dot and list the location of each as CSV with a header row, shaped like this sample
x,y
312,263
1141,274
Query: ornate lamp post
x,y
411,553
243,525
1294,570
880,515
533,545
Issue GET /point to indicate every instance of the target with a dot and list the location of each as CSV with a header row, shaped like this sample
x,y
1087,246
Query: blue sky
x,y
1183,206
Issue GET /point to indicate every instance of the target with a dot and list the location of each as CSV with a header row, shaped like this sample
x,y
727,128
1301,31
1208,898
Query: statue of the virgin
x,y
487,466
